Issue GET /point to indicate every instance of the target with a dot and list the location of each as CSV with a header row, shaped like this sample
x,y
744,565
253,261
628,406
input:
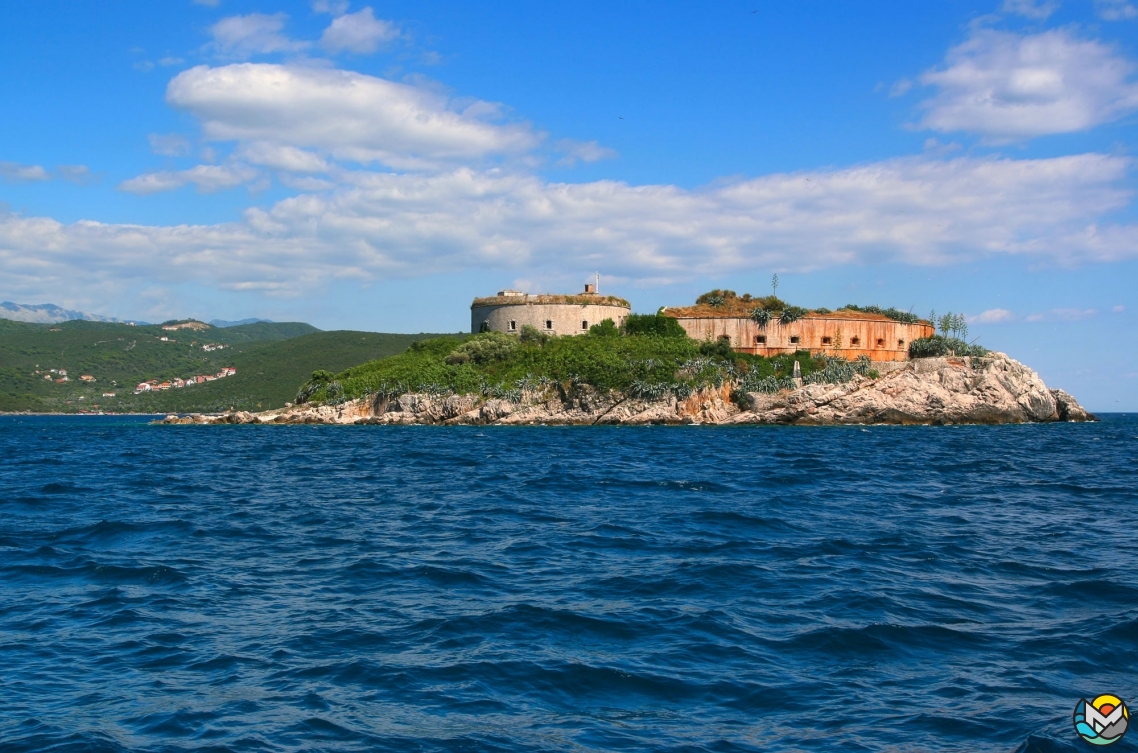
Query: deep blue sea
x,y
310,588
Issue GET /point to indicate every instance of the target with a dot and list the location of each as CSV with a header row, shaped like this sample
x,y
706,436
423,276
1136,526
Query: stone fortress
x,y
846,334
511,310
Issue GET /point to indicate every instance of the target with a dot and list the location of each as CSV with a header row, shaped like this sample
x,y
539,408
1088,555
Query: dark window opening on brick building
x,y
584,324
827,341
881,342
549,324
855,341
513,324
760,339
794,340
900,343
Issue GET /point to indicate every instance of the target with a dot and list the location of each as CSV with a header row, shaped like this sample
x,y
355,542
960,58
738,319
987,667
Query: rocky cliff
x,y
990,390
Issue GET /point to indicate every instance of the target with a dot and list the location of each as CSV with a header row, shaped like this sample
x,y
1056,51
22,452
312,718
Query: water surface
x,y
312,588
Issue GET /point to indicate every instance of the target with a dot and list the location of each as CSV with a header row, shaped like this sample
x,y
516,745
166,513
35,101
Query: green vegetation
x,y
497,365
938,345
895,314
763,310
271,360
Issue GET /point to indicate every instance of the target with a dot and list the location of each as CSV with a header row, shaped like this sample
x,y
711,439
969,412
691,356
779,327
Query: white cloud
x,y
991,316
1116,10
914,211
358,32
900,88
1064,315
74,173
332,7
283,158
1008,87
1038,10
349,115
252,34
170,60
585,151
169,144
14,172
207,179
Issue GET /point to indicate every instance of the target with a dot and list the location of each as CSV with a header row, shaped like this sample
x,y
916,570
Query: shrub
x,y
721,348
484,348
716,297
605,328
892,313
531,335
761,317
792,314
939,345
657,325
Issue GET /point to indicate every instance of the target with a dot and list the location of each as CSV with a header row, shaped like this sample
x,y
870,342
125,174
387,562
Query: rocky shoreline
x,y
991,390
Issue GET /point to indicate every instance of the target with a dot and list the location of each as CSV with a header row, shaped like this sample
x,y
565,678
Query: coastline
x,y
994,389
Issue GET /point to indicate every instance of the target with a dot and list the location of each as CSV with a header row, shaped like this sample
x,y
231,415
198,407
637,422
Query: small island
x,y
728,359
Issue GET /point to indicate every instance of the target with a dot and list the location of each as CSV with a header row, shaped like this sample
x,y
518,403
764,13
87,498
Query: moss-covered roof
x,y
726,311
583,299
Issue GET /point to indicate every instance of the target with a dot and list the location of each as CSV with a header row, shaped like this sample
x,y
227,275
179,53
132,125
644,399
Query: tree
x,y
946,323
774,284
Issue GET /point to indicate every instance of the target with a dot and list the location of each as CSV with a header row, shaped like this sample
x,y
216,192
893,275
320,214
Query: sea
x,y
319,588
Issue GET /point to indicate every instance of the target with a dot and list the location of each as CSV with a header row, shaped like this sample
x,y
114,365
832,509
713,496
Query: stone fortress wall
x,y
511,310
844,334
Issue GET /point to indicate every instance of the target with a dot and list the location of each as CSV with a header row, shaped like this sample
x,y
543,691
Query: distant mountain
x,y
49,313
224,323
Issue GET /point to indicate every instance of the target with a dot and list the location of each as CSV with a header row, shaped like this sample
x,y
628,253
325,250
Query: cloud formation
x,y
350,116
1007,87
1116,10
584,151
207,179
242,37
916,211
169,144
359,32
991,316
14,172
1037,10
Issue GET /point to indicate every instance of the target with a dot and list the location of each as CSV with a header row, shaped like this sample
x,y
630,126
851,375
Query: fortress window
x,y
549,324
827,341
900,343
760,339
584,324
881,342
513,324
855,341
794,340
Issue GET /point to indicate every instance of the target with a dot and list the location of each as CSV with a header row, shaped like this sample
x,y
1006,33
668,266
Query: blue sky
x,y
376,166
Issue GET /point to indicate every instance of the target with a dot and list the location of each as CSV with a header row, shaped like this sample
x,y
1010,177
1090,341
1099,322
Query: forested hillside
x,y
272,360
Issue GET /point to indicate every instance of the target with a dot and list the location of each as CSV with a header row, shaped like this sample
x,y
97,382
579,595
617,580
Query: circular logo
x,y
1102,721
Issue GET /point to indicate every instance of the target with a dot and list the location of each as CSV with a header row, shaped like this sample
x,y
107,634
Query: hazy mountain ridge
x,y
223,323
49,313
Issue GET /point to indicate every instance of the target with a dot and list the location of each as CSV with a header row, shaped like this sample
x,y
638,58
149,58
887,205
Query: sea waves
x,y
309,588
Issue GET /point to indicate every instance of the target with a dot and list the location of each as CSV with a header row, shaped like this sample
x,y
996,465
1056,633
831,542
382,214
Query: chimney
x,y
590,288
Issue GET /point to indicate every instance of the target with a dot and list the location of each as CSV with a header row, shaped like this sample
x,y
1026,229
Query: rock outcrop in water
x,y
990,390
